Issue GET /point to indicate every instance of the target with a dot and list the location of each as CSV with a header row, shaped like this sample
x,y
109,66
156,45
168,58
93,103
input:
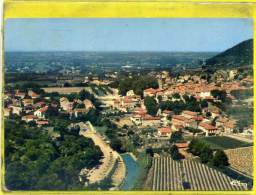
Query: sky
x,y
146,34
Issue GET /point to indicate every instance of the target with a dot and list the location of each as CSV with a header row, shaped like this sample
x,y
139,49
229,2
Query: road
x,y
238,137
110,157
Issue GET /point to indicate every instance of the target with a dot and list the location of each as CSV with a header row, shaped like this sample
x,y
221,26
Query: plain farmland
x,y
173,175
65,90
224,143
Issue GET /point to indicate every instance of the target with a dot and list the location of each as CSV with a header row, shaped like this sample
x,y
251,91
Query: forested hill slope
x,y
236,56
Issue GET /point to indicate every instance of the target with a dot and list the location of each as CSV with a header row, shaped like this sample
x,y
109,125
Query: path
x,y
107,163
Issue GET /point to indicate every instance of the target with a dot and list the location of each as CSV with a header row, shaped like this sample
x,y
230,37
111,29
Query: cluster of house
x,y
199,88
191,85
26,105
70,108
31,107
167,121
189,119
203,121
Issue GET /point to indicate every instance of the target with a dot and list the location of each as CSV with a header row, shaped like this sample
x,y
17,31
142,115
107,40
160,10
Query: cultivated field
x,y
188,175
246,164
65,90
166,174
223,142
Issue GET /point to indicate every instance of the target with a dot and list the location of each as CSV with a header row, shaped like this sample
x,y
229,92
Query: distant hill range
x,y
240,55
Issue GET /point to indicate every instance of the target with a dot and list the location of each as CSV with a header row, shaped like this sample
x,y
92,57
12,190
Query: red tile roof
x,y
207,126
29,117
178,126
139,109
40,103
167,111
44,109
81,110
127,101
165,130
209,98
33,94
149,117
42,122
182,145
189,113
116,101
179,117
150,90
198,118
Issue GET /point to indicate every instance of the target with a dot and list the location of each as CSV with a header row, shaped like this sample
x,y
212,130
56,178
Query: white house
x,y
208,129
164,132
41,112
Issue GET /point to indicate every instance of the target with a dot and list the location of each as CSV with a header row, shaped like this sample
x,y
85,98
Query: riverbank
x,y
119,173
132,171
110,158
133,156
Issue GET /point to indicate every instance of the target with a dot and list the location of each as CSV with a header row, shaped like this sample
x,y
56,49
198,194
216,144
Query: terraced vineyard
x,y
245,165
189,175
167,174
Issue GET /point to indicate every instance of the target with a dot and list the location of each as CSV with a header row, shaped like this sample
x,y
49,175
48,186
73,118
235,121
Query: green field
x,y
223,142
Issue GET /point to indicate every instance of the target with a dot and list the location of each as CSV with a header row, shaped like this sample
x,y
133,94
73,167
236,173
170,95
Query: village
x,y
179,110
210,120
187,106
128,104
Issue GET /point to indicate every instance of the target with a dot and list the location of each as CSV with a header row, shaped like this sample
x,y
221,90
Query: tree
x,y
80,106
51,111
219,94
208,114
67,85
49,181
32,123
13,180
176,96
174,152
149,151
151,105
195,147
116,144
135,83
204,104
71,96
74,130
85,95
92,116
176,136
38,90
43,164
220,159
185,97
159,98
206,154
193,130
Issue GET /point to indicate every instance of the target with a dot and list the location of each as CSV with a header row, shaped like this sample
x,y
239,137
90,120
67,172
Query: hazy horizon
x,y
116,51
125,35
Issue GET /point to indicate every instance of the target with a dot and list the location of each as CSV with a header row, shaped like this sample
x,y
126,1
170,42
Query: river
x,y
132,171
